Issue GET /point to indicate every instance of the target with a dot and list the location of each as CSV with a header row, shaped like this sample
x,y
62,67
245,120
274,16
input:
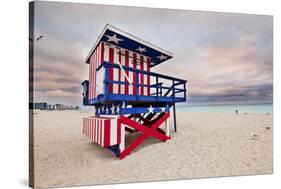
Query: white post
x,y
167,127
122,142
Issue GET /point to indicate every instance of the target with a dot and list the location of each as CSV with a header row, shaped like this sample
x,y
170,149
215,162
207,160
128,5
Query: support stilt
x,y
175,119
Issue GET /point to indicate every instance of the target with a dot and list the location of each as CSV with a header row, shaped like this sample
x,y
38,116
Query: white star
x,y
141,49
163,109
112,109
162,57
113,39
117,110
150,109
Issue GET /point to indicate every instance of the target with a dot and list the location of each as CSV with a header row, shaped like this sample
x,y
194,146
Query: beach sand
x,y
205,145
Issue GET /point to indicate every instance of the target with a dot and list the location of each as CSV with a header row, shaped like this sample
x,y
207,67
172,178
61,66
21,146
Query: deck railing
x,y
164,86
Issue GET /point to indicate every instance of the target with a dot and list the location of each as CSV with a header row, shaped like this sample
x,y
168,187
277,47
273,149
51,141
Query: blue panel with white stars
x,y
132,45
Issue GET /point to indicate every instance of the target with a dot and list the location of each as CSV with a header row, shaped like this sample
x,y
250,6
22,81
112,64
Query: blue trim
x,y
121,108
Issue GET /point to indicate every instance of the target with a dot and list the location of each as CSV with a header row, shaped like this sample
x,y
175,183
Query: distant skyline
x,y
226,58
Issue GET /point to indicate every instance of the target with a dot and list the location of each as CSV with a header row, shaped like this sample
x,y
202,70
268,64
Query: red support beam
x,y
153,131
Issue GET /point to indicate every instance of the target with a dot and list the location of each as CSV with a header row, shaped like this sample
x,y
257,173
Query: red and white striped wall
x,y
114,54
104,131
96,59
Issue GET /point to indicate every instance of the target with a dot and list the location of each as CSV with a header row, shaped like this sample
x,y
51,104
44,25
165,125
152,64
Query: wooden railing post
x,y
173,88
137,83
106,81
157,91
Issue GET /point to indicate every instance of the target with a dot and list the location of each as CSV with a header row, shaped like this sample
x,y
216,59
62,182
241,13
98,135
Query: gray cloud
x,y
225,57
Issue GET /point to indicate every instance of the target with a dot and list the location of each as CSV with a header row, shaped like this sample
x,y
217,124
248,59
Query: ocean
x,y
257,108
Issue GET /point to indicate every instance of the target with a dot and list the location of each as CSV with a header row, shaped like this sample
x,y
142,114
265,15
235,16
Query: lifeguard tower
x,y
126,95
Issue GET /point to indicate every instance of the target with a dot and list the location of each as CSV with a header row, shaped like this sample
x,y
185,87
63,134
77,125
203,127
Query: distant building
x,y
39,106
45,106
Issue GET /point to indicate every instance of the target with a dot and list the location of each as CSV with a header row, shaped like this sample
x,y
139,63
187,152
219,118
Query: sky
x,y
226,58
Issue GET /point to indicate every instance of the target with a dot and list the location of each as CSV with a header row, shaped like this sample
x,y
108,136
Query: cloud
x,y
224,57
61,93
52,85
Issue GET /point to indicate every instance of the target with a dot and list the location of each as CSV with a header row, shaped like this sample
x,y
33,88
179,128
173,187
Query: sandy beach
x,y
206,145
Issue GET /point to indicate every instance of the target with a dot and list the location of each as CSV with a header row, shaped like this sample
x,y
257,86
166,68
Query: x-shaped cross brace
x,y
153,131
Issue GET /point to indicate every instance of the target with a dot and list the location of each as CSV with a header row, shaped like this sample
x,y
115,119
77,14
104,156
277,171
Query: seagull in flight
x,y
40,37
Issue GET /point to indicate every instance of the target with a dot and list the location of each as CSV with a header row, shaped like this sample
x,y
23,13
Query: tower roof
x,y
115,36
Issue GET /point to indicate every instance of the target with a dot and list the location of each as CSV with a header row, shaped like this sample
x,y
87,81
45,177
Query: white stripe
x,y
106,52
122,77
167,127
145,78
113,131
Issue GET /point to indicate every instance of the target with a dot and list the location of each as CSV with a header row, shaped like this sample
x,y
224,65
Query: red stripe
x,y
111,60
98,133
90,128
119,73
91,125
107,133
134,74
98,56
102,52
118,131
101,125
148,76
87,128
94,129
98,136
127,72
142,77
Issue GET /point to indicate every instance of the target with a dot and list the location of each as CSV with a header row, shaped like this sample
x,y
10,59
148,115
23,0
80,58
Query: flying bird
x,y
31,40
38,38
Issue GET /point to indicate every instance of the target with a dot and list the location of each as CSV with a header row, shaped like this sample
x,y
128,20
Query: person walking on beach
x,y
236,109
